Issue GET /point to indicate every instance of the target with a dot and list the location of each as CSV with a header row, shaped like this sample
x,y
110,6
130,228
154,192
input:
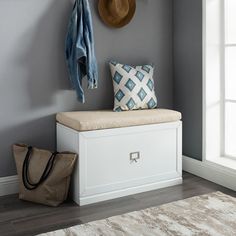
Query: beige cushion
x,y
94,120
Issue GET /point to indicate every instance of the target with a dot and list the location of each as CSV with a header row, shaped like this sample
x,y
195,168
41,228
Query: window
x,y
219,22
230,77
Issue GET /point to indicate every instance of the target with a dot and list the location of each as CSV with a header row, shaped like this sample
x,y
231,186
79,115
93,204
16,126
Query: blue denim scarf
x,y
80,55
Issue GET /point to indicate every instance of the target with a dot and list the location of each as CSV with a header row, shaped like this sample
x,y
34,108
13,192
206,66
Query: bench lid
x,y
107,119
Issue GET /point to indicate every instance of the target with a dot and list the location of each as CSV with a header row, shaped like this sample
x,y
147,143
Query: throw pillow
x,y
133,87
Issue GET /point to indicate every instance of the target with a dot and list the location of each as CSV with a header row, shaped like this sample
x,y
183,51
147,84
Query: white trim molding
x,y
9,185
213,172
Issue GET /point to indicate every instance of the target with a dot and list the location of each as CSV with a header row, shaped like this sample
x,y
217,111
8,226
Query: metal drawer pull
x,y
134,156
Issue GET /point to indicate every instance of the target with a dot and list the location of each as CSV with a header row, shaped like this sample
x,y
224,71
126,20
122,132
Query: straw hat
x,y
116,13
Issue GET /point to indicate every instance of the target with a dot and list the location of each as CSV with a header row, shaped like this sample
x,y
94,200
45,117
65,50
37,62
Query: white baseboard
x,y
207,170
9,185
211,171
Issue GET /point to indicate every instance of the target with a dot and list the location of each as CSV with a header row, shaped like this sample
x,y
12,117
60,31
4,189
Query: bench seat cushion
x,y
95,120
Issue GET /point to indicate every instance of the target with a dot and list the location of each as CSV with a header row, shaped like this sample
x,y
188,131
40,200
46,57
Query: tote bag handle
x,y
25,171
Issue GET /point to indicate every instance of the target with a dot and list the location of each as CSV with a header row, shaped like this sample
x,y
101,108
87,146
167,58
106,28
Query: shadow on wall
x,y
29,116
43,57
38,132
34,79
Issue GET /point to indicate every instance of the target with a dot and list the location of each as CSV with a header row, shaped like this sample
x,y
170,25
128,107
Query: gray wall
x,y
187,18
33,78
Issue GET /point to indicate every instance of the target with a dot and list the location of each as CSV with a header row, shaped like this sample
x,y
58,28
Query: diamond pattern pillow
x,y
133,87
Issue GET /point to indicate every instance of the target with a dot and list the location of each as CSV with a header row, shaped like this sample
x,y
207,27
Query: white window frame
x,y
204,80
222,85
222,99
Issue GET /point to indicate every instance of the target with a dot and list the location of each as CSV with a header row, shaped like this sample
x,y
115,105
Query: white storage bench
x,y
121,153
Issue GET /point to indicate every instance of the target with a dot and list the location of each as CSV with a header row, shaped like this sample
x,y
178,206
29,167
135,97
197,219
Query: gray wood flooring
x,y
23,218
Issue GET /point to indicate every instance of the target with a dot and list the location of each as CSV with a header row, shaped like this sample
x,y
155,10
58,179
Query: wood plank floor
x,y
23,218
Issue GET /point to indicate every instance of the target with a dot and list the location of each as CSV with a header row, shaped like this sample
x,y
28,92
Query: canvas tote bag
x,y
44,177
